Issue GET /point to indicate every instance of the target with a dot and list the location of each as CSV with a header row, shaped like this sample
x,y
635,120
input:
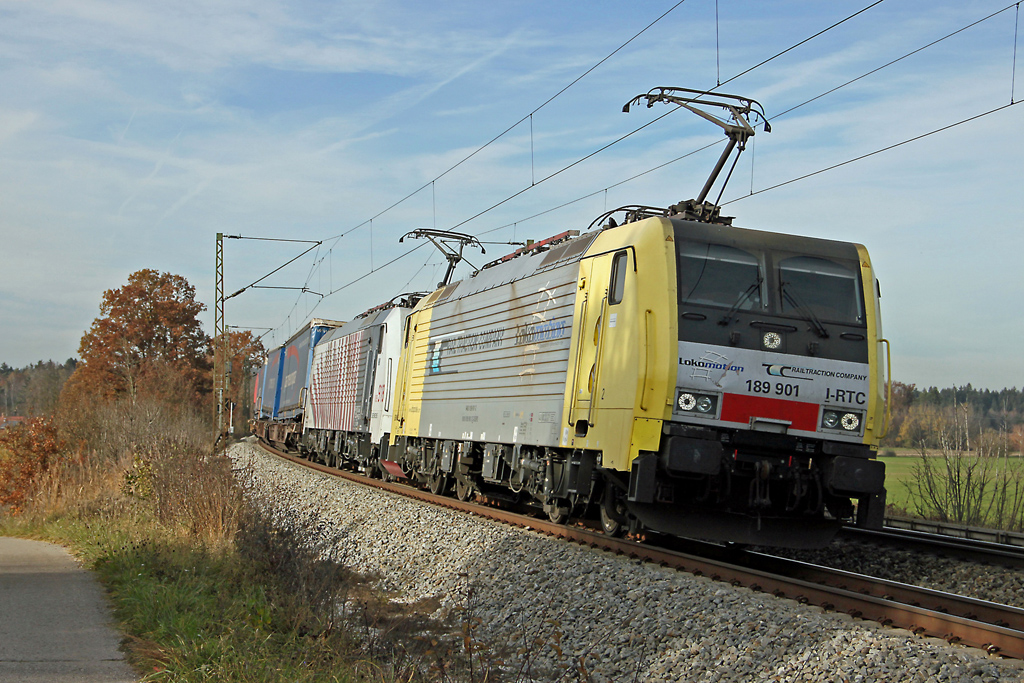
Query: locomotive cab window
x,y
827,288
718,275
618,280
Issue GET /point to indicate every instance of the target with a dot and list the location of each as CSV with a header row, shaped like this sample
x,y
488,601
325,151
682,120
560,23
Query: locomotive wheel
x,y
611,515
463,490
609,525
437,484
557,513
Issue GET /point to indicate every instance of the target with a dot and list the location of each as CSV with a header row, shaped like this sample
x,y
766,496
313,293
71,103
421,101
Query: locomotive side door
x,y
601,284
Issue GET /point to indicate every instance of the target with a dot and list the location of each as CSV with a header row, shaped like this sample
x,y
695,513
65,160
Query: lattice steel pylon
x,y
219,338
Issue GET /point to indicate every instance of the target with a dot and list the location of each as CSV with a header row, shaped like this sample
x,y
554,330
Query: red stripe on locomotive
x,y
740,408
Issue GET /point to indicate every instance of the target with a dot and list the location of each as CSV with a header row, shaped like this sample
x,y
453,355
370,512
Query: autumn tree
x,y
902,398
147,339
245,352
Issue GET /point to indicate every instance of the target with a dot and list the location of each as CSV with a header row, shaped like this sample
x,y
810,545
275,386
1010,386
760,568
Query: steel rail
x,y
970,549
990,626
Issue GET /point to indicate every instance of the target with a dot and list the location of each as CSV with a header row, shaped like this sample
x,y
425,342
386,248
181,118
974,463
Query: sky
x,y
131,133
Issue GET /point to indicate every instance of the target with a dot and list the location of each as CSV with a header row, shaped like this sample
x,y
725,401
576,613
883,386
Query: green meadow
x,y
899,471
899,475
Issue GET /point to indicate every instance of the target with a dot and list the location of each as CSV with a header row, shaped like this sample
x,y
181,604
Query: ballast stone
x,y
568,604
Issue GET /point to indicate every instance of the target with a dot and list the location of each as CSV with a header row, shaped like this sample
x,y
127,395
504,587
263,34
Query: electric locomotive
x,y
348,409
672,374
667,373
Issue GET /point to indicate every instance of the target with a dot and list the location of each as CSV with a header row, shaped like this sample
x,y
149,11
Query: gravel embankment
x,y
628,621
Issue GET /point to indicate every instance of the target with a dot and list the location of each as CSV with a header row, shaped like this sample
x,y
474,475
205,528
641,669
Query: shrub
x,y
969,480
27,451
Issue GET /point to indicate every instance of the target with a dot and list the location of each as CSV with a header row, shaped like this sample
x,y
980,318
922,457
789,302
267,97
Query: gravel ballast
x,y
555,604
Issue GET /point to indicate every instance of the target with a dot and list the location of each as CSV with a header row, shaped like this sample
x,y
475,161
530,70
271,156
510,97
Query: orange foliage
x,y
1017,439
246,352
26,452
146,340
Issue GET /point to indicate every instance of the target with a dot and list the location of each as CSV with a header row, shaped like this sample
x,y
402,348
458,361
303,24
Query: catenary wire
x,y
336,238
746,71
877,151
601,149
514,125
668,113
773,117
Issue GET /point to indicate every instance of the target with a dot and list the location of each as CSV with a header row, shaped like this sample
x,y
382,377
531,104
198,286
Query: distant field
x,y
899,473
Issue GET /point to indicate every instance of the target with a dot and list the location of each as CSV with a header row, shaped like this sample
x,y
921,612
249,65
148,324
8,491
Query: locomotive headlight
x,y
851,421
701,404
830,420
771,340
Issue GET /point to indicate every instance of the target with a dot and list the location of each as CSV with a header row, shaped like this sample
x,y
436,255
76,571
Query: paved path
x,y
54,620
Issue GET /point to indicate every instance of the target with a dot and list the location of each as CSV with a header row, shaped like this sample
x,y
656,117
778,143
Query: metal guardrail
x,y
957,531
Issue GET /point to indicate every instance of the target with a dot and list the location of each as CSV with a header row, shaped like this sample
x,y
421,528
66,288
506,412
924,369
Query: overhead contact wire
x,y
669,112
599,150
898,59
517,123
605,147
877,151
336,238
775,116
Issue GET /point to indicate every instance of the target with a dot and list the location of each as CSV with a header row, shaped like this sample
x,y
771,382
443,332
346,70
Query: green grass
x,y
196,613
899,476
899,471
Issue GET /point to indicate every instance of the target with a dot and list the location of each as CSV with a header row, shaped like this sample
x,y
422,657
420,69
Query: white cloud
x,y
131,133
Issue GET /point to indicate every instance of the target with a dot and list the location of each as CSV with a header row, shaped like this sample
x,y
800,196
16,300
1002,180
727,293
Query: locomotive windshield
x,y
738,277
829,290
718,275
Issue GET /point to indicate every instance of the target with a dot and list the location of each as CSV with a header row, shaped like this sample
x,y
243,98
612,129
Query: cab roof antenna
x,y
446,242
736,126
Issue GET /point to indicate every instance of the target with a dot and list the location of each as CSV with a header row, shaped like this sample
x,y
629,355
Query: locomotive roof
x,y
368,319
522,264
763,239
305,329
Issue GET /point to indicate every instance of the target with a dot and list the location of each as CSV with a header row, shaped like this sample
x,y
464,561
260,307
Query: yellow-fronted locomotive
x,y
673,374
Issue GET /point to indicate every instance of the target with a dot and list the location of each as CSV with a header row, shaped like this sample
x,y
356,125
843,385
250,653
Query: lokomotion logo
x,y
710,367
534,333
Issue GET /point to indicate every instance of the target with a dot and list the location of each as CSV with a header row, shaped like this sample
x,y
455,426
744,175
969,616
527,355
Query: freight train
x,y
671,374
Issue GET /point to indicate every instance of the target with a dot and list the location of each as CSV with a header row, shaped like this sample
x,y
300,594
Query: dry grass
x,y
208,588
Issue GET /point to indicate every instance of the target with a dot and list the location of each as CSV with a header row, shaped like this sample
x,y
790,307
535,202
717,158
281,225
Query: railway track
x,y
962,548
993,627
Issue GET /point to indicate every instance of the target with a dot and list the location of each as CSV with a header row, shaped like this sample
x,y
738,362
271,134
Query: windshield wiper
x,y
756,287
804,310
